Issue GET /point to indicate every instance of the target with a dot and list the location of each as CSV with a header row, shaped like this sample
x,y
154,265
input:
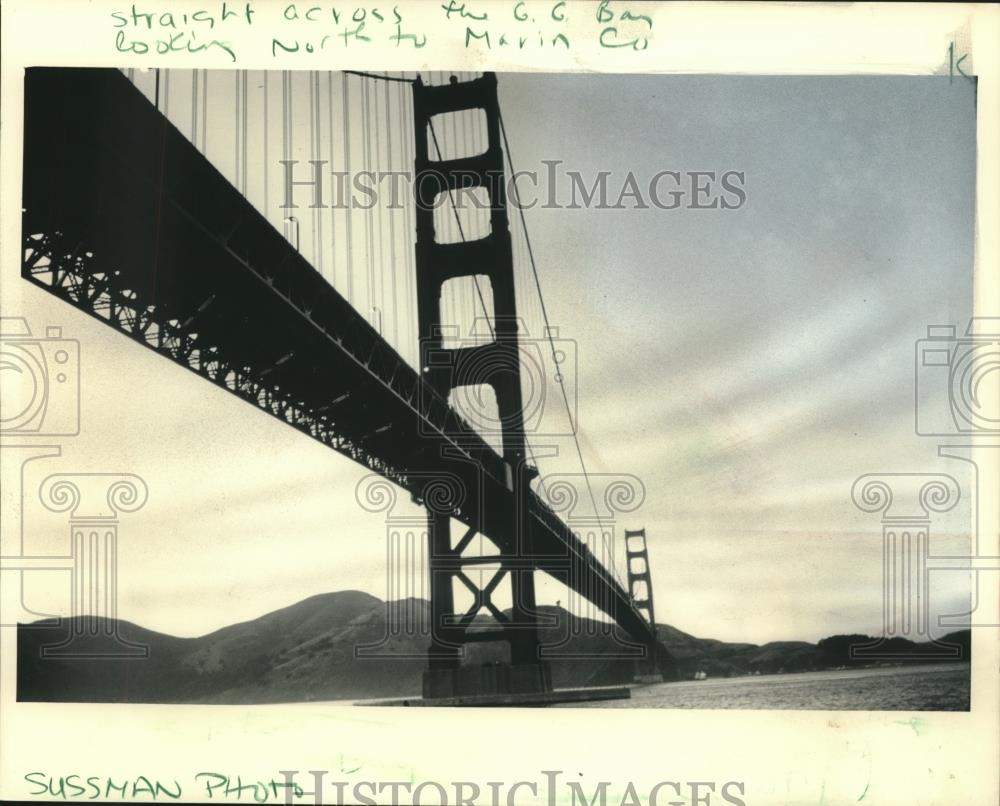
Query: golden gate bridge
x,y
169,205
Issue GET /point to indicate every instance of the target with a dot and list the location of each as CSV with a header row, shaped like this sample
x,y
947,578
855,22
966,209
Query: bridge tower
x,y
640,591
496,363
640,585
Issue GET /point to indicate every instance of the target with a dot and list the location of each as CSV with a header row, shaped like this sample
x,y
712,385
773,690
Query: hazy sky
x,y
747,365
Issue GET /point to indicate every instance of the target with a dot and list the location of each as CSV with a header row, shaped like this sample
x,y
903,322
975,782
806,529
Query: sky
x,y
746,365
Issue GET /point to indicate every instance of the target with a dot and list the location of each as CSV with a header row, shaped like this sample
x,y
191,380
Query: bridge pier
x,y
488,680
452,631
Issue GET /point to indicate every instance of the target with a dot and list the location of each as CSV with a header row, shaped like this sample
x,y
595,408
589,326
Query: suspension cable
x,y
363,74
548,333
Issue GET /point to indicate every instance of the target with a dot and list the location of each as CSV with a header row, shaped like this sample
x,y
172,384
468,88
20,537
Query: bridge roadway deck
x,y
126,220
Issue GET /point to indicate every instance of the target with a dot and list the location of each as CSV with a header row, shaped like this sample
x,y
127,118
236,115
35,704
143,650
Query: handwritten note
x,y
307,28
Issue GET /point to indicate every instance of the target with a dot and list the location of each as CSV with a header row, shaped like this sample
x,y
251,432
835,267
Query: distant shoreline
x,y
857,671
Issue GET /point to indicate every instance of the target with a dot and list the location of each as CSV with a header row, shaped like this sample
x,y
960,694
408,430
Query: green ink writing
x,y
92,787
633,36
140,32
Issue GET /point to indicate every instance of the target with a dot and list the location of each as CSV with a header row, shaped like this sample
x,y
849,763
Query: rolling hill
x,y
307,651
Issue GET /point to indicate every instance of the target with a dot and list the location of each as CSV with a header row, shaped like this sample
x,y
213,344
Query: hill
x,y
307,651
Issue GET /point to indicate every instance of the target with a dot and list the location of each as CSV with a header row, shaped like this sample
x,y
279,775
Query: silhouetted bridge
x,y
127,221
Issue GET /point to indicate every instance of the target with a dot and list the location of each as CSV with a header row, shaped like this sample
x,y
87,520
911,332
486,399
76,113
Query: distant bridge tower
x,y
640,591
497,364
640,585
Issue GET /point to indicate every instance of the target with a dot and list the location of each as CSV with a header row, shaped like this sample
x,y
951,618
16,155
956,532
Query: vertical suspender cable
x,y
349,208
333,202
204,112
244,129
267,157
238,97
369,235
377,210
194,107
410,230
392,219
314,151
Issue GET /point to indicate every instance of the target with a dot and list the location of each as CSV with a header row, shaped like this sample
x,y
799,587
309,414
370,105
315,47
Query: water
x,y
938,687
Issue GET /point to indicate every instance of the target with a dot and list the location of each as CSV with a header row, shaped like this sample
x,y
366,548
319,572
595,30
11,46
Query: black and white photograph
x,y
490,392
